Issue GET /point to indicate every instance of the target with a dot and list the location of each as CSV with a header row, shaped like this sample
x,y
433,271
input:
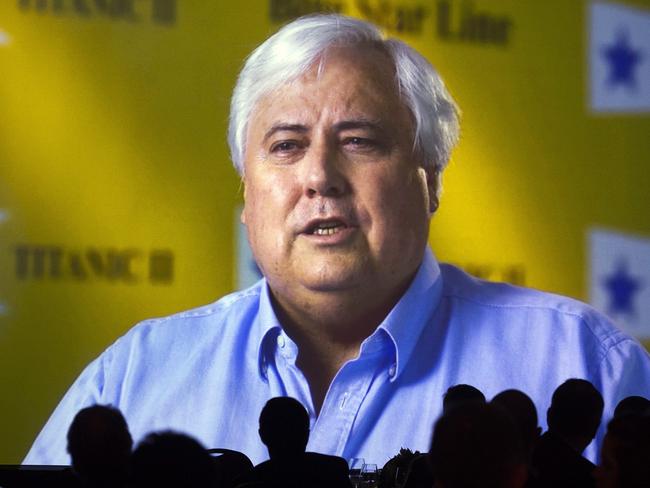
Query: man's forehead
x,y
346,85
369,58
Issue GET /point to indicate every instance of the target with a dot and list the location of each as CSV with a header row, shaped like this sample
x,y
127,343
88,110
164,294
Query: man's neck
x,y
577,443
329,328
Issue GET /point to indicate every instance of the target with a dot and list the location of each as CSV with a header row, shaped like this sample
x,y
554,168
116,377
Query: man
x,y
625,452
341,137
458,395
99,444
573,419
523,411
477,445
172,460
284,430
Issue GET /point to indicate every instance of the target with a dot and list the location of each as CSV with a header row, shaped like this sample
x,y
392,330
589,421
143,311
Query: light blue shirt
x,y
209,371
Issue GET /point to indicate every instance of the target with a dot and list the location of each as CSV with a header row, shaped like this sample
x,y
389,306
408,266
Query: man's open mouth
x,y
327,228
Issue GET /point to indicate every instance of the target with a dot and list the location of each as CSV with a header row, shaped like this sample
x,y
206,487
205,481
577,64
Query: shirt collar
x,y
403,325
268,328
406,321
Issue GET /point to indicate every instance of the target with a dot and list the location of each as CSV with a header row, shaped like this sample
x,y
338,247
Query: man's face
x,y
335,198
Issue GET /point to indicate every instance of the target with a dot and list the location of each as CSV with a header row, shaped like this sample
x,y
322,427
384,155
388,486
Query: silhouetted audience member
x,y
573,419
99,444
394,472
284,429
477,446
524,413
232,467
420,473
460,395
637,405
625,453
407,469
171,459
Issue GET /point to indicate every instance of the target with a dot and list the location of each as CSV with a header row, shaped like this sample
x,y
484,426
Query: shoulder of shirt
x,y
461,286
233,308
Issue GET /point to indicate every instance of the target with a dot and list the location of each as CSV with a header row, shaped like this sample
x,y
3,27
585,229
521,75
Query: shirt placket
x,y
343,401
330,431
290,380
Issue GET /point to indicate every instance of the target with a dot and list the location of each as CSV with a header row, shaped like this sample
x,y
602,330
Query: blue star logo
x,y
621,287
623,60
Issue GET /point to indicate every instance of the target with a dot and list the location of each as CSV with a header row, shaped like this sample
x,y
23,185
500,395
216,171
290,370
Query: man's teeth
x,y
328,229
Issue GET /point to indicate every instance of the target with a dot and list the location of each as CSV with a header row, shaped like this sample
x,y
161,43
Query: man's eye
x,y
361,144
358,141
284,146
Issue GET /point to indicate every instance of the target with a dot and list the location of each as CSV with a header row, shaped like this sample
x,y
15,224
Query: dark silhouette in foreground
x,y
462,394
523,412
99,444
477,446
573,419
407,469
172,460
637,405
232,466
625,454
420,474
284,429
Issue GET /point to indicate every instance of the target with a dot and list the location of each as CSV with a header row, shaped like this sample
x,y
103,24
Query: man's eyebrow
x,y
339,126
279,127
358,124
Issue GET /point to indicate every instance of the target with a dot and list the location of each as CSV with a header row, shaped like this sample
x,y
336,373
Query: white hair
x,y
292,51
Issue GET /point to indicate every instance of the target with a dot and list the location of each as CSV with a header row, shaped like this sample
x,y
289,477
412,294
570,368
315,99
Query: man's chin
x,y
331,284
333,277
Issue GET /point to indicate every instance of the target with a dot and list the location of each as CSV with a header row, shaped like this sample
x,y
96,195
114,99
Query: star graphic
x,y
621,287
622,59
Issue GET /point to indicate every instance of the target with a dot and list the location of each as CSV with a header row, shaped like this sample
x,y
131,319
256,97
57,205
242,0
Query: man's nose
x,y
324,172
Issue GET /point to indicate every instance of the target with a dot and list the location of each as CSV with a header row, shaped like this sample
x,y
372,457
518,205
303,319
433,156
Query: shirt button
x,y
344,400
392,370
281,341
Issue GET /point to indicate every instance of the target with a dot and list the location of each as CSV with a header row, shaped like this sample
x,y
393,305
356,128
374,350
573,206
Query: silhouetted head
x,y
396,468
625,454
284,427
523,412
637,405
460,395
100,444
171,459
477,446
575,412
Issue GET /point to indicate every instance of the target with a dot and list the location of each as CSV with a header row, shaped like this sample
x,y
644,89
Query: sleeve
x,y
50,446
624,371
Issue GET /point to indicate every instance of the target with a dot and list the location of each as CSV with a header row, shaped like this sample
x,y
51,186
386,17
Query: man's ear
x,y
242,189
433,182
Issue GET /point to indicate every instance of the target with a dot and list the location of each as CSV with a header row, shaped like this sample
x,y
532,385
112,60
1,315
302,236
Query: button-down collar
x,y
405,322
402,326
